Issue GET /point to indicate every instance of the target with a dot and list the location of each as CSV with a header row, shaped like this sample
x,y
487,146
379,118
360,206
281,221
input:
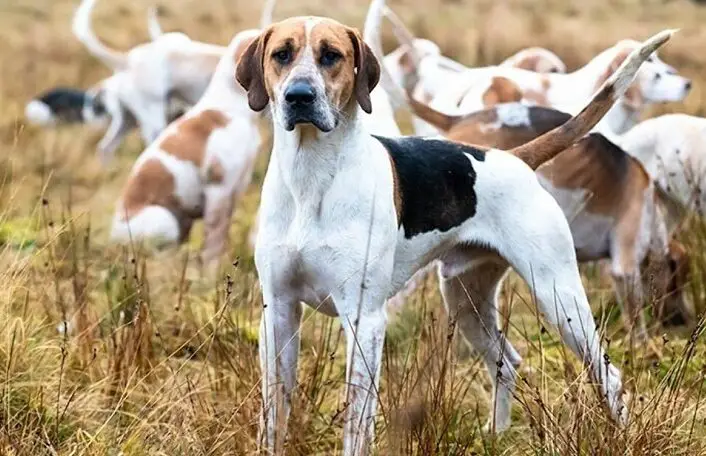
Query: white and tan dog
x,y
347,218
480,88
152,83
607,196
381,121
418,66
198,166
66,105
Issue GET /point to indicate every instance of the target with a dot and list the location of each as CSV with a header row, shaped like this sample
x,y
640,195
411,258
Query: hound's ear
x,y
250,72
367,71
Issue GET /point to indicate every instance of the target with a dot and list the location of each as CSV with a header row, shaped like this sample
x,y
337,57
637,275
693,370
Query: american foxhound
x,y
381,121
145,78
198,166
475,89
418,66
347,218
479,88
607,196
65,105
154,82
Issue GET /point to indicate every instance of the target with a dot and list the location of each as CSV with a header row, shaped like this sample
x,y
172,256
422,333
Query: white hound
x,y
347,218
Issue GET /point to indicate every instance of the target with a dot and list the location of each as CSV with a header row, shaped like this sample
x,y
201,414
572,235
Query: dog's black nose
x,y
687,86
300,92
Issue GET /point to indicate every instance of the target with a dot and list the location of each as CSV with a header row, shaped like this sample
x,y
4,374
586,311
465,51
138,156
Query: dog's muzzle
x,y
303,106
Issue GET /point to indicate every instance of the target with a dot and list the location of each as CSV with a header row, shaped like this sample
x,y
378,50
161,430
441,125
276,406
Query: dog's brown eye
x,y
328,58
284,56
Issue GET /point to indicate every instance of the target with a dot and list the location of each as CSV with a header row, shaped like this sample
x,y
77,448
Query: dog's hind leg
x,y
218,212
470,299
533,235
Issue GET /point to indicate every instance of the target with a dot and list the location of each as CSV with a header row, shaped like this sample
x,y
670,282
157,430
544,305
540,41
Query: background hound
x,y
198,167
607,196
479,88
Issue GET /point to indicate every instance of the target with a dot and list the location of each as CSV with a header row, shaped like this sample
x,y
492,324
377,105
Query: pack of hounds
x,y
520,165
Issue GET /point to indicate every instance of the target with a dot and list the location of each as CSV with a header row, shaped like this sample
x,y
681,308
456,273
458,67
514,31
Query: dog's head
x,y
656,82
537,59
312,70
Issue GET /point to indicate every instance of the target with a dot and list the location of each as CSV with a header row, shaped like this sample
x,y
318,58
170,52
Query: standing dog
x,y
146,77
197,167
347,218
656,82
418,66
479,88
607,196
154,82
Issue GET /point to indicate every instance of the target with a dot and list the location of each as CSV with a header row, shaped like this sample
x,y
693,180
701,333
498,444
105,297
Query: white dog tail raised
x,y
372,35
153,27
549,145
81,27
267,13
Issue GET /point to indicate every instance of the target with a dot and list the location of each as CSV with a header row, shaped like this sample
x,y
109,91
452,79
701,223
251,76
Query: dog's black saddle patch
x,y
436,180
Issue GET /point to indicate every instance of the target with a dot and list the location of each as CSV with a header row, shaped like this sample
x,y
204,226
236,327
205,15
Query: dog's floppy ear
x,y
250,72
367,71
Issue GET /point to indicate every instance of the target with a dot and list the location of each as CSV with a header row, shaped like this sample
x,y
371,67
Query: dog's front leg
x,y
279,350
365,335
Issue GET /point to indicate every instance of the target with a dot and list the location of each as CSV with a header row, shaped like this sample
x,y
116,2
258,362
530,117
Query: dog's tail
x,y
82,30
404,36
372,36
267,13
153,27
442,121
547,146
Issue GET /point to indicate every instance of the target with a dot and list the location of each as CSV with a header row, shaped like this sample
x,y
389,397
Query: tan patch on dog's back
x,y
501,90
613,181
189,141
151,184
485,128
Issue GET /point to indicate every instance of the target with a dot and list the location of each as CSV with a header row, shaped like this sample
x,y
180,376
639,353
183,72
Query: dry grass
x,y
157,359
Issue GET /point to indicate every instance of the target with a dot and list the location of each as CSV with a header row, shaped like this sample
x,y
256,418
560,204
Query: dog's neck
x,y
308,160
585,81
224,92
622,117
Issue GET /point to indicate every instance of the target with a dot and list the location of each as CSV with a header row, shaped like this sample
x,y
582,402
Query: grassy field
x,y
159,360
